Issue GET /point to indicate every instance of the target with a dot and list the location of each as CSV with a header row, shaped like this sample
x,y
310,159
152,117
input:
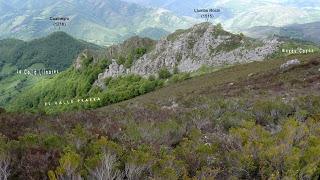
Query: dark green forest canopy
x,y
56,51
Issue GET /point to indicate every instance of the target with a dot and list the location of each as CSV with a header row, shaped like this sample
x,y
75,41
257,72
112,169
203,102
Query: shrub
x,y
70,163
140,52
164,73
271,112
147,86
128,62
179,77
121,60
87,61
107,81
151,78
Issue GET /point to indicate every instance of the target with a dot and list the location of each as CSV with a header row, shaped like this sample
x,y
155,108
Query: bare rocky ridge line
x,y
190,50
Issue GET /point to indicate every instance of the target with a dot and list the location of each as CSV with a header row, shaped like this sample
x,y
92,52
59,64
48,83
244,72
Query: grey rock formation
x,y
114,70
78,62
290,64
85,54
188,50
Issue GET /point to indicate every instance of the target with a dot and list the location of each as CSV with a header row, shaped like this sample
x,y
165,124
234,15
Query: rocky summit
x,y
188,50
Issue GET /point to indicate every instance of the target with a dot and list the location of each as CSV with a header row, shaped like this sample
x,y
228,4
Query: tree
x,y
241,35
78,137
69,166
121,60
4,167
134,171
4,159
219,27
128,62
107,170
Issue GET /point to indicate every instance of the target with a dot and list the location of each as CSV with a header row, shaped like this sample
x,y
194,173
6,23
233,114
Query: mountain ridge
x,y
237,15
308,31
102,22
188,50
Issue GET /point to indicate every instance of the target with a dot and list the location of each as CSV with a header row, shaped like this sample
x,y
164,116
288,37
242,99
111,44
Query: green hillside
x,y
54,52
78,83
7,50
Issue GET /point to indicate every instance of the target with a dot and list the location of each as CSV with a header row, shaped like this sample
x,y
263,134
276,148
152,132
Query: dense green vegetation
x,y
219,31
74,84
7,49
67,85
127,87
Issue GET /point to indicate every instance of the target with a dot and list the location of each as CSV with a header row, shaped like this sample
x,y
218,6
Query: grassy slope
x,y
217,81
194,100
12,84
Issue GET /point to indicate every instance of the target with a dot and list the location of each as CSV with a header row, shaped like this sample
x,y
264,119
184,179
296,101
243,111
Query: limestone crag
x,y
114,70
188,50
78,62
85,54
290,63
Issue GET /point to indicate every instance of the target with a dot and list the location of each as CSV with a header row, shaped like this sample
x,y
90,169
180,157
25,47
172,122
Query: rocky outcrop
x,y
290,63
85,54
203,44
114,70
